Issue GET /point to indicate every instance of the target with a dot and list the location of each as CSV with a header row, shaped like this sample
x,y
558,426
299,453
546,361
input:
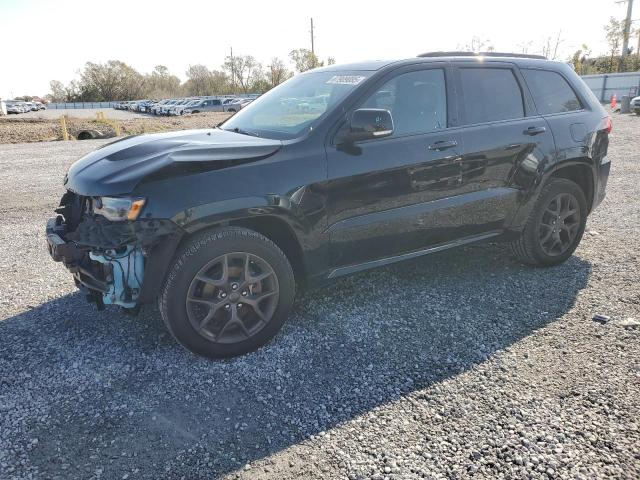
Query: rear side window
x,y
551,92
491,94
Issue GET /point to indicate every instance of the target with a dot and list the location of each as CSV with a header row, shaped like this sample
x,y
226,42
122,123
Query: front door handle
x,y
534,130
443,145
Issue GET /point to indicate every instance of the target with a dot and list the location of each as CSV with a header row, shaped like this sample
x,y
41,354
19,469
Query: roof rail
x,y
481,54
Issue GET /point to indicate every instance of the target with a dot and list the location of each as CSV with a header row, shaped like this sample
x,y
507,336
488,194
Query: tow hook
x,y
127,274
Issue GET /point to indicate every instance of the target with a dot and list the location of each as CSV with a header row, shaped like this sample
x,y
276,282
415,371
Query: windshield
x,y
295,106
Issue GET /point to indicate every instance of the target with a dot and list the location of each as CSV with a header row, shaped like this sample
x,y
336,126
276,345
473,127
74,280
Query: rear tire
x,y
227,292
555,226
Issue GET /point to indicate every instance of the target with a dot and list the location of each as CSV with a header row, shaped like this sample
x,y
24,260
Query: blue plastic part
x,y
128,273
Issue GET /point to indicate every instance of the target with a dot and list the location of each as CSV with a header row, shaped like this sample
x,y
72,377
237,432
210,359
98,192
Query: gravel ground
x,y
17,129
462,364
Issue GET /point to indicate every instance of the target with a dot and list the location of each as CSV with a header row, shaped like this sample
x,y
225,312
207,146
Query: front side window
x,y
551,92
294,107
490,95
417,101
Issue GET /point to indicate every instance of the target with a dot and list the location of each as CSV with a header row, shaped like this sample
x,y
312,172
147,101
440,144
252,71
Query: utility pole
x,y
312,49
625,35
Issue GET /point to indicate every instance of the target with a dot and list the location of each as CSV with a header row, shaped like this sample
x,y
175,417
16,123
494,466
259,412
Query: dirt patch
x,y
19,130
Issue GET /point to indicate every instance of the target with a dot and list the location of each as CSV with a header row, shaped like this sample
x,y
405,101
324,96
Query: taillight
x,y
608,125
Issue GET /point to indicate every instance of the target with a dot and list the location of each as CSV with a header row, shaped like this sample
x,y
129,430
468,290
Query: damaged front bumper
x,y
117,263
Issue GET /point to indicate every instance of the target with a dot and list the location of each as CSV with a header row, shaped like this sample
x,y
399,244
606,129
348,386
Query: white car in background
x,y
635,105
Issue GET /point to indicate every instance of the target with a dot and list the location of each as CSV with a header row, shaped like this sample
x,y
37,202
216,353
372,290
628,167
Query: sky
x,y
44,40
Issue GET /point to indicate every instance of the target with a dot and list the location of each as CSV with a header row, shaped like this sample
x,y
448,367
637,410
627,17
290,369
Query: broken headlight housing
x,y
118,209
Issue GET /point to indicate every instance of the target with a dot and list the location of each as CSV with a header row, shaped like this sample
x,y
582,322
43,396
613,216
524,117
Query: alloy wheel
x,y
559,225
232,297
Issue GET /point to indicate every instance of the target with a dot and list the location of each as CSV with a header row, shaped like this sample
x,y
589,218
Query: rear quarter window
x,y
491,94
551,92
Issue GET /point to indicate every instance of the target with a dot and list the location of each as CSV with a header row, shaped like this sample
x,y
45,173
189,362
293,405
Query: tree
x,y
550,48
114,80
198,80
614,32
244,71
304,59
73,92
525,46
277,72
161,83
580,60
58,92
477,44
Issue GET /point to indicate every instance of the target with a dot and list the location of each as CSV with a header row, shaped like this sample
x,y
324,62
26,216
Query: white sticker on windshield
x,y
346,79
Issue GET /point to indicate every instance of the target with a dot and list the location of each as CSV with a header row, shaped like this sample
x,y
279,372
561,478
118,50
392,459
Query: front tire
x,y
555,226
227,293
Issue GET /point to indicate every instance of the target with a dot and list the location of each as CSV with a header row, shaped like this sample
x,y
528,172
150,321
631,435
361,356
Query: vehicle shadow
x,y
118,393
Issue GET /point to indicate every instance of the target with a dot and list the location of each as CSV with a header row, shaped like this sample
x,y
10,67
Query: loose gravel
x,y
463,364
38,128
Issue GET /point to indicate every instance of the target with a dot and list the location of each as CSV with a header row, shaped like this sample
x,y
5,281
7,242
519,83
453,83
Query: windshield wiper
x,y
243,132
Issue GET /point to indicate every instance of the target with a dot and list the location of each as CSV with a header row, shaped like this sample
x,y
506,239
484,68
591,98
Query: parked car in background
x,y
135,105
176,108
155,109
237,105
13,107
206,105
182,108
635,105
40,106
142,106
164,109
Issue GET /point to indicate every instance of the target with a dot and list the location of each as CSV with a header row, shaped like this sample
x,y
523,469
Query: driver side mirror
x,y
368,123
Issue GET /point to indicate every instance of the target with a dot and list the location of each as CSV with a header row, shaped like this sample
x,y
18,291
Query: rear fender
x,y
529,198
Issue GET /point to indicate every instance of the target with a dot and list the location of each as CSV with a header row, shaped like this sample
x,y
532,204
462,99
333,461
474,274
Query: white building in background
x,y
3,107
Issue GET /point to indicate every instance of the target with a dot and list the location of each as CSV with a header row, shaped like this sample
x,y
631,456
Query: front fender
x,y
223,212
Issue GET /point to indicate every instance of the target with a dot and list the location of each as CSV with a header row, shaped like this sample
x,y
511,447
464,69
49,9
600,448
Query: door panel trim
x,y
415,210
338,272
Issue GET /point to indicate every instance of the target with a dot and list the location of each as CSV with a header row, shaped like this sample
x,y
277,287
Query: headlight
x,y
118,209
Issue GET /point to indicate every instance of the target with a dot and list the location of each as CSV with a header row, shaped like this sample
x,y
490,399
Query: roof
x,y
365,65
481,54
470,57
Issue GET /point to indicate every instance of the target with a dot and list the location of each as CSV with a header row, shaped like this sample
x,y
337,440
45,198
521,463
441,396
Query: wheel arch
x,y
281,233
274,227
580,172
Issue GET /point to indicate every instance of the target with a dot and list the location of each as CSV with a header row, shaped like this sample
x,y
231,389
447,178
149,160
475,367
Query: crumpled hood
x,y
118,167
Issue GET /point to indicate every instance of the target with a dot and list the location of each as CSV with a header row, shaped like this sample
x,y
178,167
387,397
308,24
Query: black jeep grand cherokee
x,y
337,170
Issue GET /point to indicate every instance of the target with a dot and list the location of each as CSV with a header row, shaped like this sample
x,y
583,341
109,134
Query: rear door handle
x,y
443,145
534,130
